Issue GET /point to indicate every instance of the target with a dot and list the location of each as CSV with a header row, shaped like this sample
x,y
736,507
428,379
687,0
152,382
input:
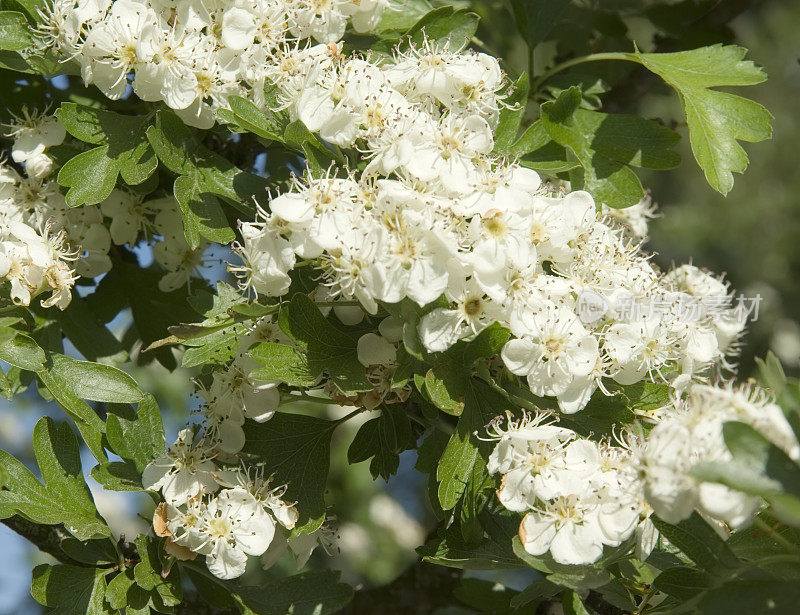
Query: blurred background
x,y
752,235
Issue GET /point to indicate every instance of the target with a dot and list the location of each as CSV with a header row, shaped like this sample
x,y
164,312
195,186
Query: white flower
x,y
567,527
110,50
441,328
555,349
325,20
365,14
637,348
183,473
447,153
268,258
233,526
33,134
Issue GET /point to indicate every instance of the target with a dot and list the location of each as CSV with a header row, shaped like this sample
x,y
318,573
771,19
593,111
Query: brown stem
x,y
47,538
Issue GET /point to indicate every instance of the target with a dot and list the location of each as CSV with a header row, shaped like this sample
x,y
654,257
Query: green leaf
x,y
175,145
572,604
487,597
22,351
717,120
148,572
536,591
29,8
448,27
752,543
202,212
90,336
394,437
266,124
606,146
511,116
93,381
316,592
296,449
70,590
281,362
118,476
90,177
770,372
481,405
89,425
535,20
136,436
214,348
758,467
327,348
382,438
444,386
487,344
319,155
92,552
601,415
118,588
125,136
492,552
682,582
536,150
14,32
365,444
405,15
700,543
64,496
752,596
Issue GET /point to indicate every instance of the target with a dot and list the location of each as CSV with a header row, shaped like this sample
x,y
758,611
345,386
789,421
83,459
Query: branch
x,y
46,538
421,589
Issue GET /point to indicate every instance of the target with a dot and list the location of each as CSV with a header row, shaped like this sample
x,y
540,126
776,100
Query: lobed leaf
x,y
70,590
296,449
717,120
327,348
448,27
63,497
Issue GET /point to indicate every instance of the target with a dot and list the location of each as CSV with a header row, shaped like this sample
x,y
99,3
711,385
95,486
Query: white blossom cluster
x,y
224,514
233,395
578,495
194,54
48,245
435,213
36,255
212,506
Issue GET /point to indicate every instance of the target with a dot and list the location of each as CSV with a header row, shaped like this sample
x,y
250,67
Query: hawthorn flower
x,y
554,349
232,526
447,153
637,349
110,50
33,133
567,527
184,473
443,327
